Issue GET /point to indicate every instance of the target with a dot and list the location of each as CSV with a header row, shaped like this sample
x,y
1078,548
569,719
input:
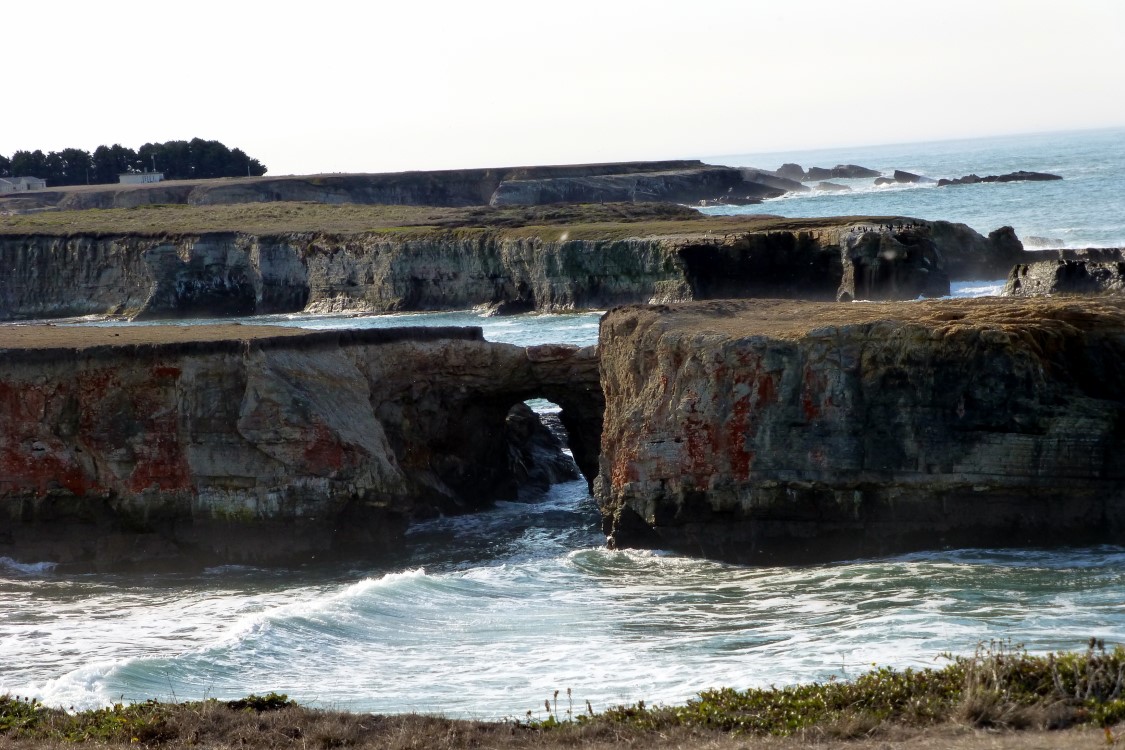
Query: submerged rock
x,y
769,431
1020,176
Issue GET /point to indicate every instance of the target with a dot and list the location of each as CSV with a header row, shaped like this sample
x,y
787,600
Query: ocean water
x,y
488,615
1084,209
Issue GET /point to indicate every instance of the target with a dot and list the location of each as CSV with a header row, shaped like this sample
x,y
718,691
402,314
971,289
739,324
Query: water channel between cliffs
x,y
491,613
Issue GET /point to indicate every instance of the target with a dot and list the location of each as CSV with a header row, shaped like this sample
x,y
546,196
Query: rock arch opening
x,y
538,450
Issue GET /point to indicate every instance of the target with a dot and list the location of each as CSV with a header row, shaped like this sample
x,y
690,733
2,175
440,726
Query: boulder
x,y
832,187
910,178
791,171
840,171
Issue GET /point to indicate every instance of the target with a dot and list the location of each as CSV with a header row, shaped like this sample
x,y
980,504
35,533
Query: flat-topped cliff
x,y
168,446
687,181
774,431
191,261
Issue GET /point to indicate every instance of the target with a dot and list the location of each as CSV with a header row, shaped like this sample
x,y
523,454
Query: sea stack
x,y
787,432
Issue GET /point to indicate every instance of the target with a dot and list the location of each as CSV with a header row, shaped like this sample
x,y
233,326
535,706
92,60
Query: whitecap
x,y
29,569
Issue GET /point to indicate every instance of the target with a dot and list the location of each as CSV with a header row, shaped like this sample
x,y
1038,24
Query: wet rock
x,y
1020,176
910,178
791,171
840,171
535,455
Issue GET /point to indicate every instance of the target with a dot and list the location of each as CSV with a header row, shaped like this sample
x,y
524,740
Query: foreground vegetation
x,y
1000,687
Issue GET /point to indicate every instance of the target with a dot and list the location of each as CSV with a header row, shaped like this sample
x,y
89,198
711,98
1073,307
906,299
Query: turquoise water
x,y
488,615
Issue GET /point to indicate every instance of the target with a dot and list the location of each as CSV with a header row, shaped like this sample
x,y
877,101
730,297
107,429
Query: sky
x,y
328,86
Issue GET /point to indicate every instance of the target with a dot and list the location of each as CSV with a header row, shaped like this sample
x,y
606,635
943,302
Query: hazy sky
x,y
331,86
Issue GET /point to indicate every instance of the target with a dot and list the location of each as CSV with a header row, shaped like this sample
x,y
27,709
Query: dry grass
x,y
1038,317
216,726
604,221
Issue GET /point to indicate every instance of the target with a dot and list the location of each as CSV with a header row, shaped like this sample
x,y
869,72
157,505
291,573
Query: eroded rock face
x,y
1092,271
769,431
896,260
679,185
269,449
222,274
454,187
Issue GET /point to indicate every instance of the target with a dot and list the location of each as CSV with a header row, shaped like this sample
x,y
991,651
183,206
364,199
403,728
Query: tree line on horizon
x,y
178,160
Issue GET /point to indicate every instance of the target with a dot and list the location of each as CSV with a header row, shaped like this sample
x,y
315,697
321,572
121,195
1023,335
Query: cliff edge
x,y
216,263
769,431
170,446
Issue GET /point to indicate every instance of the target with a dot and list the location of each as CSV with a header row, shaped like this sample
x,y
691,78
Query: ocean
x,y
488,615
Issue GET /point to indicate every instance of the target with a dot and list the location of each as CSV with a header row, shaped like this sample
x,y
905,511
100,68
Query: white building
x,y
21,184
139,178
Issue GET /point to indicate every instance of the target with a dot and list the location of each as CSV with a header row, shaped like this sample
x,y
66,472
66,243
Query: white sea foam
x,y
31,569
966,289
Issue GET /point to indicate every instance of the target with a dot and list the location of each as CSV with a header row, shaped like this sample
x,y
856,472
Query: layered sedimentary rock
x,y
711,184
1090,271
246,444
680,180
232,273
769,431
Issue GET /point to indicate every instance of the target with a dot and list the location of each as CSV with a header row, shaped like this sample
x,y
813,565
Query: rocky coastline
x,y
1084,272
782,432
588,260
171,447
755,431
679,181
734,407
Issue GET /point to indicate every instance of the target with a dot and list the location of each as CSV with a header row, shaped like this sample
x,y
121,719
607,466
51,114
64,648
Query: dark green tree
x,y
29,164
77,166
110,161
178,160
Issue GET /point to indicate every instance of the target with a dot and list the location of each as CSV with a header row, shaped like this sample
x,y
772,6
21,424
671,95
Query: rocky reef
x,y
1090,271
540,267
169,446
1018,176
769,431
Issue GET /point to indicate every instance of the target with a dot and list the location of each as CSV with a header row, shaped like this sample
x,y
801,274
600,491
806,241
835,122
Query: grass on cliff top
x,y
1000,687
577,221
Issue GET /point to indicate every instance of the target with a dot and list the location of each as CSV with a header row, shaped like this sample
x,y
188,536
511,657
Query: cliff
x,y
1089,271
768,431
160,447
452,260
681,180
